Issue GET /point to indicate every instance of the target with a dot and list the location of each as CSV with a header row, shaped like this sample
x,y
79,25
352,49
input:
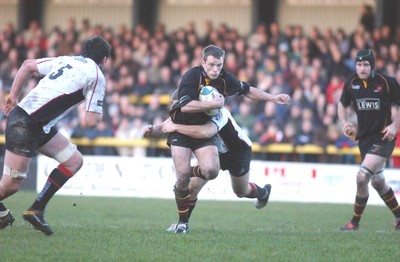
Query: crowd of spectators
x,y
147,65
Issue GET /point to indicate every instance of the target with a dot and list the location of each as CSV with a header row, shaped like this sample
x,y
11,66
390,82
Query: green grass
x,y
133,229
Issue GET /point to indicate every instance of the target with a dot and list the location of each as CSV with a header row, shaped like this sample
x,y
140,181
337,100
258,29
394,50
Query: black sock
x,y
2,207
55,181
256,191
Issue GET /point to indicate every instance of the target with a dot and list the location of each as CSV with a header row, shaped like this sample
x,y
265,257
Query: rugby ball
x,y
208,93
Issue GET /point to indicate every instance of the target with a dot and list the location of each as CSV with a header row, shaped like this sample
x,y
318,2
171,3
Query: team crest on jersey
x,y
378,89
356,87
99,102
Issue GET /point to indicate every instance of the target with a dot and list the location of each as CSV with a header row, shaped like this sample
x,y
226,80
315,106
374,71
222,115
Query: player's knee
x,y
239,193
210,172
65,154
182,182
378,181
74,163
363,176
13,173
8,189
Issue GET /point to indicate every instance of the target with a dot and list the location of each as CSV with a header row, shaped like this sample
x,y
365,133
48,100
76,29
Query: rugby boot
x,y
349,227
263,201
7,219
36,219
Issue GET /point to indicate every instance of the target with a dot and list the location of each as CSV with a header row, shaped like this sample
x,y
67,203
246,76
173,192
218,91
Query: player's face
x,y
213,66
102,64
363,69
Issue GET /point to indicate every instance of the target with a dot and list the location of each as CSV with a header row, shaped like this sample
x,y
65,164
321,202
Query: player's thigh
x,y
181,157
208,158
374,163
16,162
55,145
14,172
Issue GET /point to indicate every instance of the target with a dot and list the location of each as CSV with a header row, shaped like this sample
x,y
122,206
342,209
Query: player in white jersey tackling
x,y
234,156
68,81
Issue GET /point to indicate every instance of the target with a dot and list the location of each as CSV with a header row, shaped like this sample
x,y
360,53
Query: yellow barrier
x,y
279,148
163,99
257,148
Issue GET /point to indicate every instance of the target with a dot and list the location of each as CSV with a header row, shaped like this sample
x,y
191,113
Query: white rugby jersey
x,y
67,82
233,137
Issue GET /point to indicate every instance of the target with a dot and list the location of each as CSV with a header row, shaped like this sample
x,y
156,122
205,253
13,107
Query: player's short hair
x,y
366,55
212,50
96,48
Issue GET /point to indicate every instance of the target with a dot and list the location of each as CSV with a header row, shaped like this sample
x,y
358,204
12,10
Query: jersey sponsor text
x,y
368,104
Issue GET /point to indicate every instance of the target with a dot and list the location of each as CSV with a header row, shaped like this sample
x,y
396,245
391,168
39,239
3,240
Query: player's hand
x,y
152,132
168,126
281,99
147,131
218,101
349,130
11,102
389,132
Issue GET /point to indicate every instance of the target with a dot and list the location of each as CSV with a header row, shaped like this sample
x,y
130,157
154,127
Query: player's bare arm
x,y
198,106
196,131
259,94
92,119
28,68
349,129
390,131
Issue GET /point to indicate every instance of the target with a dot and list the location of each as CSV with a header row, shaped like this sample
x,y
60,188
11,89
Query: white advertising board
x,y
155,177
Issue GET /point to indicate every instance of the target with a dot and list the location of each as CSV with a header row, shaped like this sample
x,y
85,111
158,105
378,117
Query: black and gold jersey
x,y
192,82
372,100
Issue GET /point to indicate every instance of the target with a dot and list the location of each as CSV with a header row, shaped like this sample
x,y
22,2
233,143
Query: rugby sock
x,y
359,206
197,173
182,199
3,210
2,207
391,202
256,191
192,205
58,177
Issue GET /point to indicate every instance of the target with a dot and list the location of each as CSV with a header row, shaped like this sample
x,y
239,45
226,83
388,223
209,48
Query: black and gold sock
x,y
58,177
359,206
182,199
391,202
197,173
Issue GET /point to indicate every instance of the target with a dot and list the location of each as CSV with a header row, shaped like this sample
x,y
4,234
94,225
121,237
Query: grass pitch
x,y
133,229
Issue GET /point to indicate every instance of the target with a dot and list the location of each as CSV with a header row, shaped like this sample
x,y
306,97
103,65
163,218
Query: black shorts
x,y
237,163
25,135
377,147
178,139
